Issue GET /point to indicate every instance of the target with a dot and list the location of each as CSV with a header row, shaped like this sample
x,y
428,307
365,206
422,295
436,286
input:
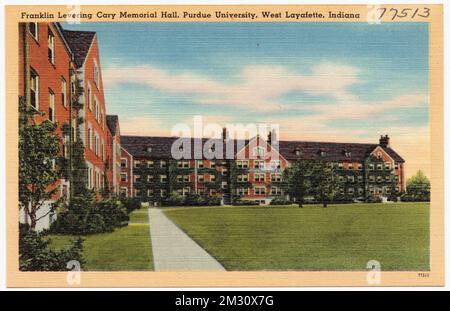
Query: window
x,y
371,167
276,191
89,138
242,191
89,97
242,178
350,166
65,144
213,164
137,192
260,190
259,151
341,178
387,166
224,185
360,178
388,178
96,74
212,177
137,164
360,166
34,89
298,152
163,192
150,178
276,177
163,178
224,172
379,166
163,164
51,106
379,179
351,178
200,164
201,178
183,164
259,164
150,192
371,178
137,178
396,166
51,46
124,191
123,177
340,165
183,178
242,163
360,191
63,92
123,163
350,190
150,164
275,165
96,108
34,30
260,177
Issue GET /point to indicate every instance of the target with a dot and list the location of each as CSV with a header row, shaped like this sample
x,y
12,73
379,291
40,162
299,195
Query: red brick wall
x,y
50,75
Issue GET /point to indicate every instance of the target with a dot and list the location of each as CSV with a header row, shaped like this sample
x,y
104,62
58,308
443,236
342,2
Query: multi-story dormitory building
x,y
150,173
51,59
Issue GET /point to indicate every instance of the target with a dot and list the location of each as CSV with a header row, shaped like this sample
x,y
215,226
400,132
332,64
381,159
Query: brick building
x,y
51,60
93,130
363,169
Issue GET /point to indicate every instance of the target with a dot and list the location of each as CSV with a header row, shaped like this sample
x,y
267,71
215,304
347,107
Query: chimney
x,y
224,133
272,137
384,141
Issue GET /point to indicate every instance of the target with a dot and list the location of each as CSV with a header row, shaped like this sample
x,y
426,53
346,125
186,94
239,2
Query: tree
x,y
418,185
38,152
298,179
35,253
326,183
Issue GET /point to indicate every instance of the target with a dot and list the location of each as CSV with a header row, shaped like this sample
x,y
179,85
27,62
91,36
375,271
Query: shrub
x,y
342,199
245,202
176,199
373,199
280,201
131,204
407,197
85,215
36,255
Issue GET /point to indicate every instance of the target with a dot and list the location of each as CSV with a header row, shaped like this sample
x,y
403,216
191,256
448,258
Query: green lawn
x,y
127,248
340,237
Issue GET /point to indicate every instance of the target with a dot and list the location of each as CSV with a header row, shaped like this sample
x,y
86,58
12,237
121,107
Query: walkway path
x,y
173,249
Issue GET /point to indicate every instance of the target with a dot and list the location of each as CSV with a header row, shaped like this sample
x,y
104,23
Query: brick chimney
x,y
384,140
224,133
272,137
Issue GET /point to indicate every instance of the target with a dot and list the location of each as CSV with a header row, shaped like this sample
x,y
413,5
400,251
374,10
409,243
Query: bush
x,y
85,215
131,204
36,255
280,201
245,202
373,199
176,199
415,198
342,199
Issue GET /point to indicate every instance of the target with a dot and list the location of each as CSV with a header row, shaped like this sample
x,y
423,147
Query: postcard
x,y
225,146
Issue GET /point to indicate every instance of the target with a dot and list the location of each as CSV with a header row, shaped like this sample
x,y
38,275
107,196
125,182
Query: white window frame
x,y
36,29
51,105
63,92
51,45
34,88
126,177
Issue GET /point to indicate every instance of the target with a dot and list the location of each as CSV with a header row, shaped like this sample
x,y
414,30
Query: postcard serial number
x,y
394,13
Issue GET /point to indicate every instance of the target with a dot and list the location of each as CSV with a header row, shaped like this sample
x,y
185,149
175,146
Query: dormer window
x,y
149,149
322,153
297,151
347,153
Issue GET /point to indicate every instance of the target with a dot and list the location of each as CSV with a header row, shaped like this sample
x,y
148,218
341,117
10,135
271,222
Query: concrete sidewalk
x,y
174,250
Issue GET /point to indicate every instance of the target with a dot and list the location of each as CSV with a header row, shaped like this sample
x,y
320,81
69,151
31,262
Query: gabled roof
x,y
112,121
79,42
290,150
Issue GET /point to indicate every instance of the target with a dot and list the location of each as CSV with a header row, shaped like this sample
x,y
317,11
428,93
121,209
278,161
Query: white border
x,y
216,2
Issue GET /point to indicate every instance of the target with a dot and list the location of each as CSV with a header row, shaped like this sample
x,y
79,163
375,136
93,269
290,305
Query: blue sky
x,y
321,81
